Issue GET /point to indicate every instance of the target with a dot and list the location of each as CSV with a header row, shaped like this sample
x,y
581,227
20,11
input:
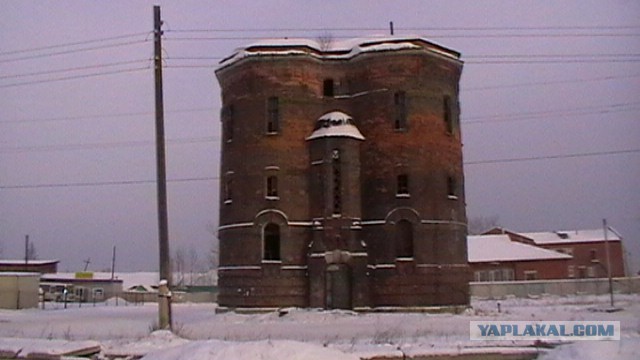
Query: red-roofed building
x,y
33,266
498,258
587,248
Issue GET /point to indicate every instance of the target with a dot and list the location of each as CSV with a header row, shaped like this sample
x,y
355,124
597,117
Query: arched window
x,y
271,242
404,239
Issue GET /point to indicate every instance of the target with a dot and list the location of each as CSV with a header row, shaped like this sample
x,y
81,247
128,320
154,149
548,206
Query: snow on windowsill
x,y
271,261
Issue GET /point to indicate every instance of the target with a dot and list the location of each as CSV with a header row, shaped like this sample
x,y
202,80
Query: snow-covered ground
x,y
128,329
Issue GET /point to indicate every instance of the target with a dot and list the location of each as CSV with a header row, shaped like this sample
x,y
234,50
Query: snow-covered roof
x,y
571,236
30,262
331,49
335,123
489,248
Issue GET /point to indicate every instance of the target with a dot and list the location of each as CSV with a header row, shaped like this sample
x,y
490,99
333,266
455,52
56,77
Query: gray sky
x,y
542,79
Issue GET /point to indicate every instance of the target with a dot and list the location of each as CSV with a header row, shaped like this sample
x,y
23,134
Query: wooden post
x,y
163,227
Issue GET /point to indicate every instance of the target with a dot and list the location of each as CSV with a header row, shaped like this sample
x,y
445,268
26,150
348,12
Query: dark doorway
x,y
338,286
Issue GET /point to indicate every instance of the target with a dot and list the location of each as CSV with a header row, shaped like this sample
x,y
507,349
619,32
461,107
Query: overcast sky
x,y
549,95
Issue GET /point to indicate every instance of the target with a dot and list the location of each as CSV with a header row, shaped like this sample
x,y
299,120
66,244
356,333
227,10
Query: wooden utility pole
x,y
26,249
608,254
165,321
113,263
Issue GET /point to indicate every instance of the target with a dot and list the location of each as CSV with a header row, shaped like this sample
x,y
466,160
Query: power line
x,y
536,56
551,157
463,28
73,51
104,183
79,68
549,61
430,36
102,116
217,178
586,110
76,77
603,78
49,47
74,147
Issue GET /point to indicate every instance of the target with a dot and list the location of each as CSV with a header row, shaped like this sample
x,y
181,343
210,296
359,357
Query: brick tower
x,y
342,183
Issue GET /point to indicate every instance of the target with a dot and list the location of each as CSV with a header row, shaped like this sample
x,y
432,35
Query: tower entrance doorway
x,y
338,287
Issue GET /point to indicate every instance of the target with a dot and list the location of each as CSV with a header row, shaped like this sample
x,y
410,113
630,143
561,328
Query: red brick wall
x,y
544,269
426,151
593,255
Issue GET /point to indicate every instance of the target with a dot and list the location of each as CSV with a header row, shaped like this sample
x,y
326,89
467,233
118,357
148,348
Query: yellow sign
x,y
84,275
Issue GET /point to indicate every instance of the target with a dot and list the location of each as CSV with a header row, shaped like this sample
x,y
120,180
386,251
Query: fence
x,y
501,289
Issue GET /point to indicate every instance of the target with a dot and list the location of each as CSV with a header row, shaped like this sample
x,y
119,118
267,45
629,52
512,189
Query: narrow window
x,y
328,88
273,115
530,275
592,255
446,109
228,114
402,185
228,189
400,102
404,239
272,186
451,188
508,274
337,181
271,242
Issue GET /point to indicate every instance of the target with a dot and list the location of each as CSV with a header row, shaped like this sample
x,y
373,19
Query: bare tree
x,y
325,40
480,224
193,264
214,258
179,261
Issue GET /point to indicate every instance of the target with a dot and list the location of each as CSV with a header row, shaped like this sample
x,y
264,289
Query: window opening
x,y
404,239
337,181
400,102
272,186
328,88
403,184
271,241
273,115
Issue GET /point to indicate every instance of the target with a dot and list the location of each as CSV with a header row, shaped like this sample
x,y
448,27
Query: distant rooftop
x,y
30,262
489,248
571,236
331,49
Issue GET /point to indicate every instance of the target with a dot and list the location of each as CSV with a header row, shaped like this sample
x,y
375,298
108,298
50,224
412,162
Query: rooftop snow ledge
x,y
336,50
